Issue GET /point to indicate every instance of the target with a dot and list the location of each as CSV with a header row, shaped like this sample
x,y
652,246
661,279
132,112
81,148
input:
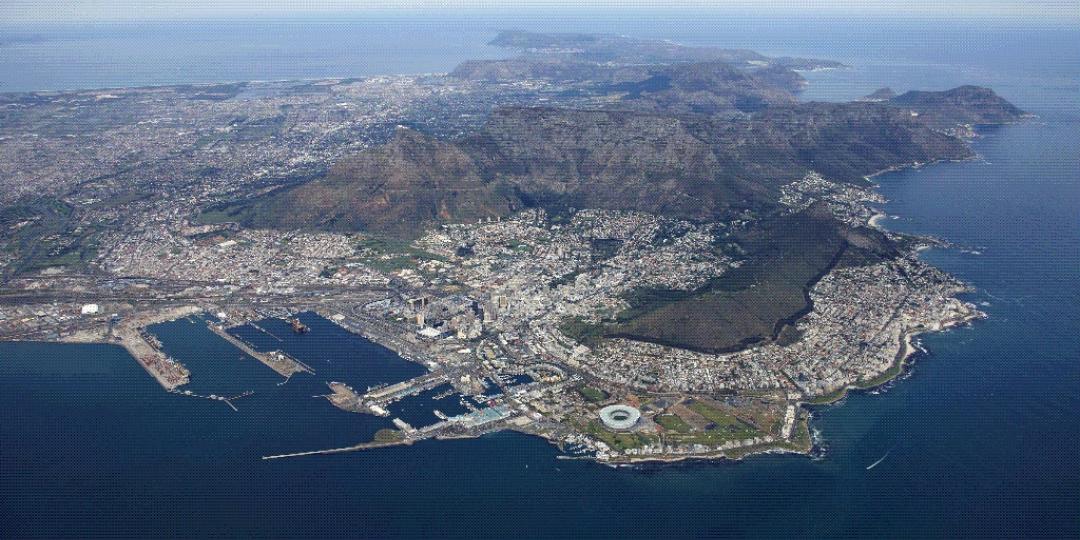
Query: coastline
x,y
904,357
802,445
211,84
915,165
169,379
908,348
170,374
875,221
661,460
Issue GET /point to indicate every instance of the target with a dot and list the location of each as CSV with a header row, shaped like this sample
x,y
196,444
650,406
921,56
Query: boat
x,y
299,327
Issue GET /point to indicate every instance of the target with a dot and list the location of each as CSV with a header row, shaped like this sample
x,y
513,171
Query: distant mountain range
x,y
613,49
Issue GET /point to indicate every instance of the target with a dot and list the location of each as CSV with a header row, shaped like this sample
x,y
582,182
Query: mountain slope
x,y
972,105
689,166
753,303
400,188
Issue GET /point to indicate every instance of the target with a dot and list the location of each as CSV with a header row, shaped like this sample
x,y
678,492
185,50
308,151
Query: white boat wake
x,y
878,462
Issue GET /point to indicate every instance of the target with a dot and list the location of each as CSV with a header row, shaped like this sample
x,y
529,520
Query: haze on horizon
x,y
34,11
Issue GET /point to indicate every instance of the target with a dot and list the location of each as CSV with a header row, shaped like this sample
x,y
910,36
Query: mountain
x,y
754,303
677,144
841,141
700,87
710,88
881,94
561,158
696,166
691,166
398,189
966,105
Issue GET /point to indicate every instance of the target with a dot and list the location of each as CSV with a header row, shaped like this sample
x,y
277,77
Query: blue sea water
x,y
980,439
107,55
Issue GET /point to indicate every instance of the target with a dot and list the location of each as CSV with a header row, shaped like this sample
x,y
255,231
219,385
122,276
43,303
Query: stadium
x,y
619,417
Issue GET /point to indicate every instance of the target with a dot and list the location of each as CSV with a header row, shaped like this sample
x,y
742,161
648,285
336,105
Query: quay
x,y
397,391
346,399
278,361
131,334
263,330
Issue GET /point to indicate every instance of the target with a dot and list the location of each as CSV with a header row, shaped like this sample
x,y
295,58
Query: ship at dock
x,y
298,327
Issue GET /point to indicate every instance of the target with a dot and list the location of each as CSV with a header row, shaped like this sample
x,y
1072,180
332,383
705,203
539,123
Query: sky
x,y
14,11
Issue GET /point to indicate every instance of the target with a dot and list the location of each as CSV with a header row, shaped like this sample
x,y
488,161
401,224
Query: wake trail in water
x,y
882,458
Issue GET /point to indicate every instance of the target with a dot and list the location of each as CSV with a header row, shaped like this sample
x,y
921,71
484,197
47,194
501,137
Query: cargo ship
x,y
299,327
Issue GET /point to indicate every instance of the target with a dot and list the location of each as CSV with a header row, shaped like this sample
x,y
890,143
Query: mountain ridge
x,y
688,166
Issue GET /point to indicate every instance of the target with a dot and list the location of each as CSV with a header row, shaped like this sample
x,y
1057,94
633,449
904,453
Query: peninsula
x,y
637,250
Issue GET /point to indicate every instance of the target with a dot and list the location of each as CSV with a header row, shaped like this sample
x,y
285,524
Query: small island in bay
x,y
635,249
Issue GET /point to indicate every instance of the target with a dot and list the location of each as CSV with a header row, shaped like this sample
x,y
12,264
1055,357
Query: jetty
x,y
345,398
279,361
414,386
131,334
265,331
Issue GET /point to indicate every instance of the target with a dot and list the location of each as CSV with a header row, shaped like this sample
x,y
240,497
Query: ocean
x,y
979,438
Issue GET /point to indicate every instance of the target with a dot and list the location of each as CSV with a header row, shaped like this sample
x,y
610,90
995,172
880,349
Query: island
x,y
635,249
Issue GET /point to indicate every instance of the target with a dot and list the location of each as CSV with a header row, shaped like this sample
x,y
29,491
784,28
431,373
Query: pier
x,y
345,398
405,388
265,331
278,361
131,334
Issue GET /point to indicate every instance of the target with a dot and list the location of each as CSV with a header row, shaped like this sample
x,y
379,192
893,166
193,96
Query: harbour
x,y
91,446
